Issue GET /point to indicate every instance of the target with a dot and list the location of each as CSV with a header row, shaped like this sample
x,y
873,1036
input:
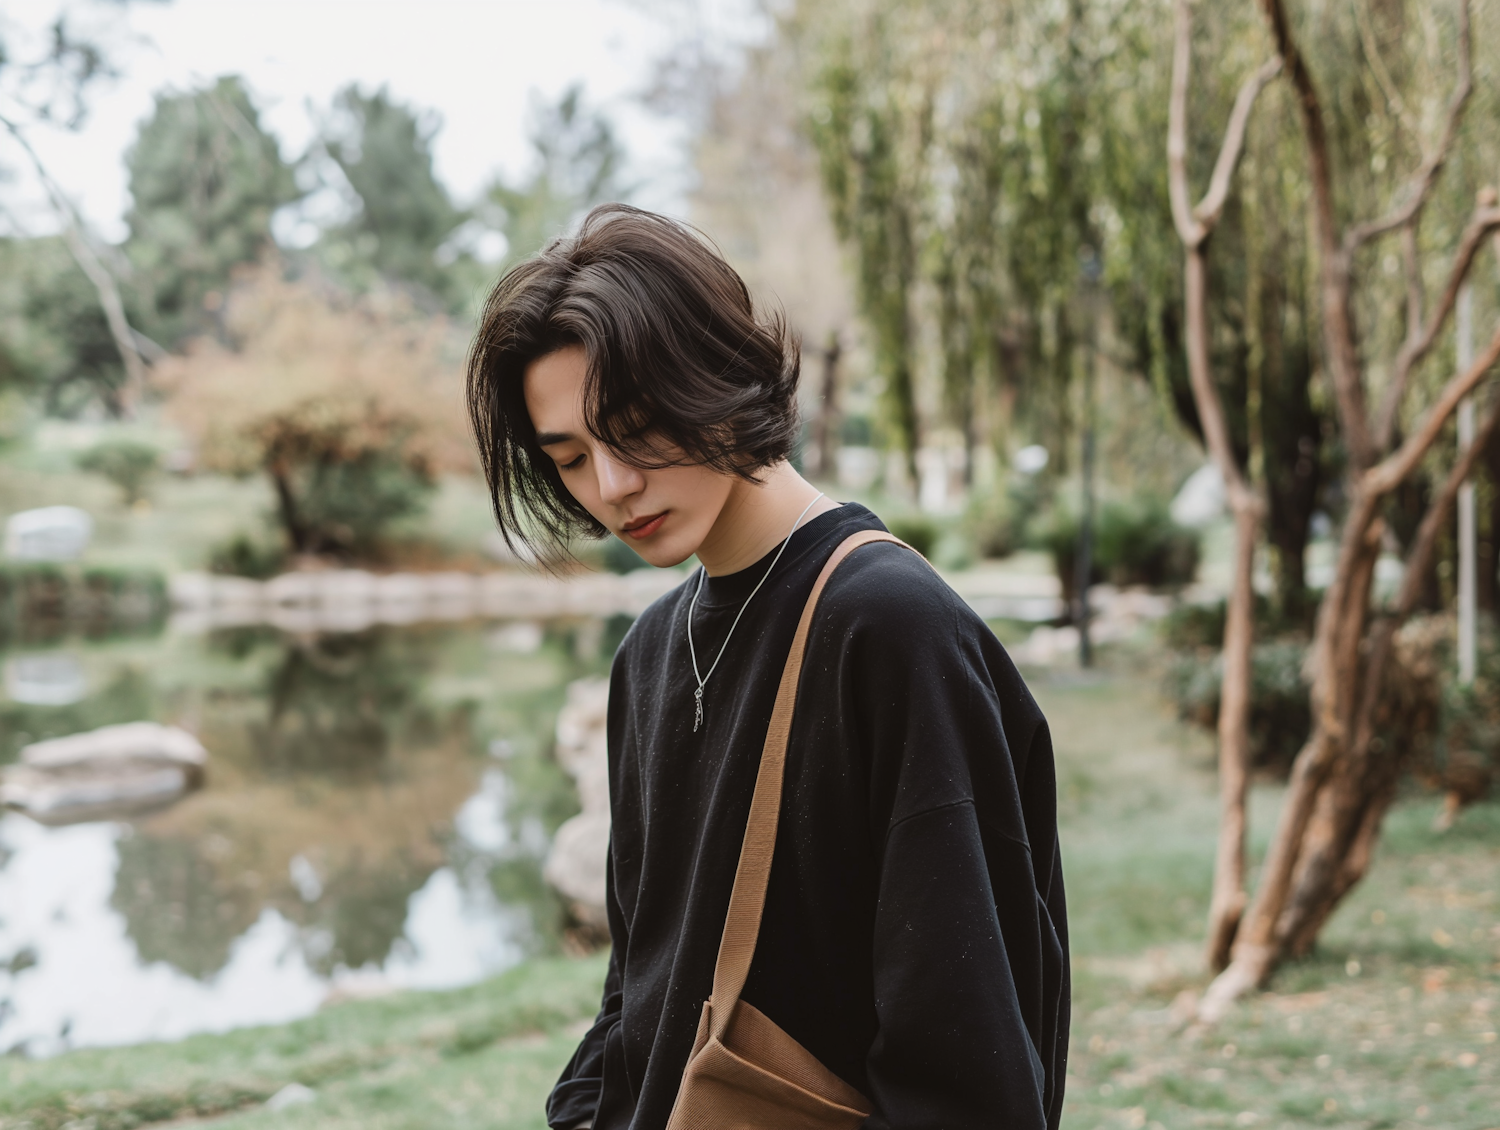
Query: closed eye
x,y
573,465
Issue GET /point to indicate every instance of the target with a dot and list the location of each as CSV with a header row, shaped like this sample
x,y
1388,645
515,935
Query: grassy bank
x,y
476,1057
1391,1024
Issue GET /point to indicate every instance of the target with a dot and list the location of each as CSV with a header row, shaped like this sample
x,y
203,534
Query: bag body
x,y
745,1072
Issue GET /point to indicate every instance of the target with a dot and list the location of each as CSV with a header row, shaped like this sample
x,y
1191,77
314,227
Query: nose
x,y
617,480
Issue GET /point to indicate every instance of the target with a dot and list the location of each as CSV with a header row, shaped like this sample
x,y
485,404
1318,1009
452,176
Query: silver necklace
x,y
693,607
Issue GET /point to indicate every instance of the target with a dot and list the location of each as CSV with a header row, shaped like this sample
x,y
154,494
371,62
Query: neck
x,y
756,517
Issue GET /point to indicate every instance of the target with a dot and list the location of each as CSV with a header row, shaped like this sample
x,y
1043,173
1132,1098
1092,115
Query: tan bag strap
x,y
748,899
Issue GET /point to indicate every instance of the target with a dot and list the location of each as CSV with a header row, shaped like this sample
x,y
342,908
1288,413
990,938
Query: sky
x,y
478,63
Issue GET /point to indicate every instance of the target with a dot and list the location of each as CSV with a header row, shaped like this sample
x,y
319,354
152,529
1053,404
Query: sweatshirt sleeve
x,y
969,947
953,1051
574,1101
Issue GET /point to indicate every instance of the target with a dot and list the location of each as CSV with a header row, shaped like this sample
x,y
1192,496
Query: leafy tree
x,y
45,86
350,407
403,214
54,338
129,464
205,180
871,122
987,164
579,162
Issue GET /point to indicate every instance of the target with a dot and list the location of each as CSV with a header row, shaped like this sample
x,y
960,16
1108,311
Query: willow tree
x,y
954,144
872,123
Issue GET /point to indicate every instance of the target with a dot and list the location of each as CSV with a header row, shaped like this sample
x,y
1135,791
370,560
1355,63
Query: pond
x,y
375,815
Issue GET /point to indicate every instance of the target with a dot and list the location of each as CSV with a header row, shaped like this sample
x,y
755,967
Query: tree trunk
x,y
121,401
1194,226
1227,905
825,430
1344,778
297,534
1489,544
1335,654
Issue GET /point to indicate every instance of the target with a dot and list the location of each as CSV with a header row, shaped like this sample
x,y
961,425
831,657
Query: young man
x,y
914,936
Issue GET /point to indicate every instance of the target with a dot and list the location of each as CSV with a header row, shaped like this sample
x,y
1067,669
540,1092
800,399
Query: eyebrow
x,y
547,439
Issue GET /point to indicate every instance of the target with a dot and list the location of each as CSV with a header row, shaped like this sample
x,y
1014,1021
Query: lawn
x,y
1391,1024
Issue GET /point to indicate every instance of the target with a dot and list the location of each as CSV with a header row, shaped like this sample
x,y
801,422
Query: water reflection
x,y
354,834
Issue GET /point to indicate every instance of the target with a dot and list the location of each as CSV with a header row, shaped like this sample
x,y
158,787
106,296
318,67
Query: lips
x,y
644,527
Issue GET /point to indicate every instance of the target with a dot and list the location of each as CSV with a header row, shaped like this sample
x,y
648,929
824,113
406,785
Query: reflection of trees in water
x,y
186,904
178,906
337,702
353,752
334,753
361,912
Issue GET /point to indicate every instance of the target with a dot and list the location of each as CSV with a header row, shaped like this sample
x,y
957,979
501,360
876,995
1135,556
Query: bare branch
x,y
1420,555
88,261
1382,74
1189,229
1193,227
1389,473
1420,187
1195,224
1207,212
1485,221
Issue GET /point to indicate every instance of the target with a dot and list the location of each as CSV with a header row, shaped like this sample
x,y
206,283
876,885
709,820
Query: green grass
x,y
1390,1023
477,1057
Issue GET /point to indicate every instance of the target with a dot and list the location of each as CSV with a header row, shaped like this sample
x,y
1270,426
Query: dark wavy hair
x,y
681,366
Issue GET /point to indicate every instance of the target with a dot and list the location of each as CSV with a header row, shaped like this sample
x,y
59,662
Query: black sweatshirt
x,y
914,936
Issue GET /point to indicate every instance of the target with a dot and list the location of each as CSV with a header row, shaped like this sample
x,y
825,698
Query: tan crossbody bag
x,y
745,1073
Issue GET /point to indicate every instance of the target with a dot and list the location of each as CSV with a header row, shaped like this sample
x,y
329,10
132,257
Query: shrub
x,y
42,599
1135,543
1448,735
1202,625
352,502
917,531
129,464
991,523
245,556
1280,715
1463,757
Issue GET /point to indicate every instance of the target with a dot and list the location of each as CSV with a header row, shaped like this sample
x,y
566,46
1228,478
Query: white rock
x,y
1201,499
1046,646
103,772
575,864
132,741
293,1094
50,533
1030,459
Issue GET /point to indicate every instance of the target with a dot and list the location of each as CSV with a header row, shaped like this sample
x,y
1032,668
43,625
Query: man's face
x,y
663,513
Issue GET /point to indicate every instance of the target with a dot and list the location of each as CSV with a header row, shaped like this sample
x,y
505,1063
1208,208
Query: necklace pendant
x,y
697,709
